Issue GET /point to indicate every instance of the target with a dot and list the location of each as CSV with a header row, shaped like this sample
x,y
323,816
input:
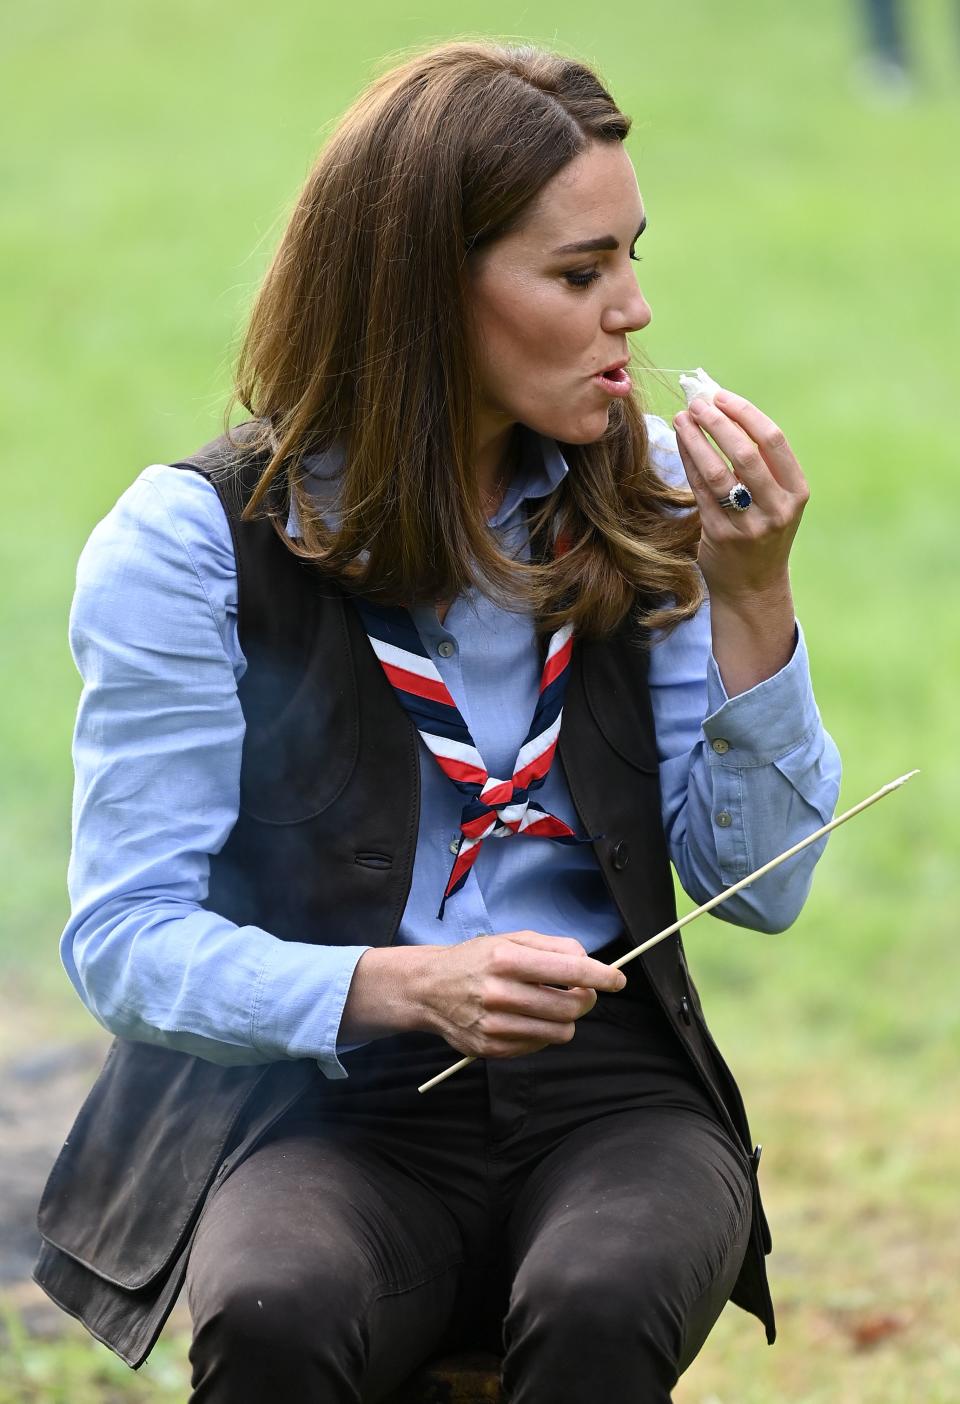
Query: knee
x,y
259,1313
636,1299
604,1297
584,1330
257,1317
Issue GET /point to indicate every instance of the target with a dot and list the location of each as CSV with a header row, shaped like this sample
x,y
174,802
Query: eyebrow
x,y
603,241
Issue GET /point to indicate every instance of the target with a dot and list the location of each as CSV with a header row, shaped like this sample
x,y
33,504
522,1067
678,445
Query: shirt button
x,y
723,818
720,746
454,844
446,649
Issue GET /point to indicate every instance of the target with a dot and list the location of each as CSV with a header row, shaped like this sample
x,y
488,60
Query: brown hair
x,y
361,333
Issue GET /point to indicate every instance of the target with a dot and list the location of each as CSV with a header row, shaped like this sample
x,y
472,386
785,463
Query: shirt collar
x,y
542,468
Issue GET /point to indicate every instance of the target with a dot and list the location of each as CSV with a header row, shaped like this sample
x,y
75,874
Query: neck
x,y
494,463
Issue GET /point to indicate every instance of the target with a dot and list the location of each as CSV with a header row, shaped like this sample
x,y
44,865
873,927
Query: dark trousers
x,y
885,23
580,1210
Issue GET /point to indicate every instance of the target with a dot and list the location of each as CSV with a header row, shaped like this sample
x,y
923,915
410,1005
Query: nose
x,y
629,312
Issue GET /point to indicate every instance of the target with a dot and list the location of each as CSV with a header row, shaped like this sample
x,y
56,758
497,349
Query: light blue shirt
x,y
157,750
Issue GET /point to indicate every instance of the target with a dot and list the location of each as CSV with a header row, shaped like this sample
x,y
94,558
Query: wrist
x,y
771,600
753,636
387,994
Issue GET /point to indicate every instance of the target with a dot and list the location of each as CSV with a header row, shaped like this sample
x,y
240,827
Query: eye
x,y
590,275
582,280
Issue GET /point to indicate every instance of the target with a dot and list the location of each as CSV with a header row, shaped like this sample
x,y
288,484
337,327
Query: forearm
x,y
743,777
739,817
186,978
746,767
753,636
386,994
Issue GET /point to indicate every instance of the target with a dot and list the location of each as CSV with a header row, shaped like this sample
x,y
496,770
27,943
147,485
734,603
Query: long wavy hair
x,y
361,336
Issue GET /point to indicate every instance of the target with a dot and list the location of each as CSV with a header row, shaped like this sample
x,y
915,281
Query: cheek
x,y
535,324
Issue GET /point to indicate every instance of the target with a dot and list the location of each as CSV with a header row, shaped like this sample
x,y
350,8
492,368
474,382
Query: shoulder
x,y
164,503
166,539
664,454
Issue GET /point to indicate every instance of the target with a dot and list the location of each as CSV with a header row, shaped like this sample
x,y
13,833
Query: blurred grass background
x,y
803,246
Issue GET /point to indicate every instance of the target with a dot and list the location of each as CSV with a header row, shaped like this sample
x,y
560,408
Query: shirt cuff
x,y
299,1002
763,724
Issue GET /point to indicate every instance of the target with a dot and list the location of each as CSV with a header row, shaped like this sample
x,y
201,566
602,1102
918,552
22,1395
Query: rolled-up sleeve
x,y
743,778
157,749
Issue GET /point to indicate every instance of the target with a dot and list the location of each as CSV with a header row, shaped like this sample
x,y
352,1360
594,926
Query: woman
x,y
311,655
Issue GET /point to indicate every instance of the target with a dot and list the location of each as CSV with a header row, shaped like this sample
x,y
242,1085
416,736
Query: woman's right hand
x,y
489,997
496,996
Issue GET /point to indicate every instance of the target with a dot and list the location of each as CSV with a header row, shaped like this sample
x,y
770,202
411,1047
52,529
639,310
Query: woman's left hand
x,y
742,554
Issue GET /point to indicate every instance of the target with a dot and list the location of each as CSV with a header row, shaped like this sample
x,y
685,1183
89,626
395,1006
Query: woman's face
x,y
549,320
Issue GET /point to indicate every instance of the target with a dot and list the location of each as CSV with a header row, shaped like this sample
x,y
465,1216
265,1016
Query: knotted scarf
x,y
494,808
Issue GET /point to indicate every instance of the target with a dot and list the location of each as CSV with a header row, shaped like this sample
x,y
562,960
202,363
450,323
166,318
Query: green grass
x,y
803,247
74,1370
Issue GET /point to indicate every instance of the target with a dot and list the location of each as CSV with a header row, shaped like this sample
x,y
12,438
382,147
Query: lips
x,y
614,380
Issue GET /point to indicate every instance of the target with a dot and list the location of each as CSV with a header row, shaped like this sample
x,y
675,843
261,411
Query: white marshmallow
x,y
697,385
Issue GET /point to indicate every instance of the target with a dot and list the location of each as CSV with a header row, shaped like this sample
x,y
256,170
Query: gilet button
x,y
620,856
684,1010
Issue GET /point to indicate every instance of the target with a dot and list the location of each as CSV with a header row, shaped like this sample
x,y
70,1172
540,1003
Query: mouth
x,y
614,380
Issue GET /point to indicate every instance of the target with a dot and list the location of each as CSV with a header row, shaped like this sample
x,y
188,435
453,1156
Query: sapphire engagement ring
x,y
738,499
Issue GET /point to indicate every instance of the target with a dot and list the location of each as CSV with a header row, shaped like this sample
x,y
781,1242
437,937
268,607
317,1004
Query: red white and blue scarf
x,y
494,808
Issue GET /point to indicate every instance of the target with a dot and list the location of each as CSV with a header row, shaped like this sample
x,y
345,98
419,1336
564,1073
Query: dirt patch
x,y
40,1094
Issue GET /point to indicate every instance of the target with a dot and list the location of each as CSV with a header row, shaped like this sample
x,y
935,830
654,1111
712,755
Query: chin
x,y
581,424
584,429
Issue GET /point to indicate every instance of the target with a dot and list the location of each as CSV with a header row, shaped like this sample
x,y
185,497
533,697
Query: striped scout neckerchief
x,y
494,808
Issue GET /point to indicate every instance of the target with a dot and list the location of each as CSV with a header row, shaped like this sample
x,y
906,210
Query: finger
x,y
544,967
599,976
538,940
709,485
562,945
769,438
744,455
502,1028
539,1001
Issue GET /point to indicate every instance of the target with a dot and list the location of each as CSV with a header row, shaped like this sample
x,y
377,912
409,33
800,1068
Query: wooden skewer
x,y
715,901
